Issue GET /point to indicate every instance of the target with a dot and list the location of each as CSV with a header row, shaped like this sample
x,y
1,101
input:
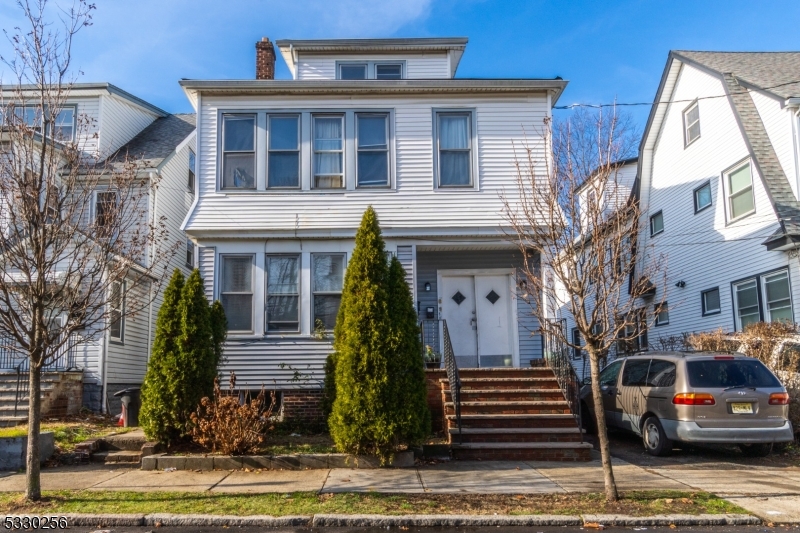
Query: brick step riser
x,y
504,385
500,454
511,424
517,437
499,396
505,373
508,410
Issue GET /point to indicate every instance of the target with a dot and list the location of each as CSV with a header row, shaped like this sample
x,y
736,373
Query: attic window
x,y
389,71
691,123
370,70
353,72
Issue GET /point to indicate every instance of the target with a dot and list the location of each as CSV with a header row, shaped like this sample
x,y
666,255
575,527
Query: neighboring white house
x,y
110,123
287,168
720,183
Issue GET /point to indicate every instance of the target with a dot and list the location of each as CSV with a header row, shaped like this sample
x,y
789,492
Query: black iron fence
x,y
436,339
557,355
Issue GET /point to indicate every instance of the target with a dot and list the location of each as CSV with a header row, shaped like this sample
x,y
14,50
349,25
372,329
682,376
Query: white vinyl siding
x,y
119,123
429,65
413,201
778,121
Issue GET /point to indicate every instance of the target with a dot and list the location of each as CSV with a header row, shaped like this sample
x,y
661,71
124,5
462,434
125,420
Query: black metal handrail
x,y
431,338
556,353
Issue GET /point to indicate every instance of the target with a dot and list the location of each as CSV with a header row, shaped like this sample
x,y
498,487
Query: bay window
x,y
239,151
236,291
283,293
372,162
284,151
328,152
327,281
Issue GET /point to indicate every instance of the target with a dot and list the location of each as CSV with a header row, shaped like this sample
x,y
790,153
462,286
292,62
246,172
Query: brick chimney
x,y
265,60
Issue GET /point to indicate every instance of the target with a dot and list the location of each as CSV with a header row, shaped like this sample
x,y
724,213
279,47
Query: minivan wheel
x,y
756,450
655,440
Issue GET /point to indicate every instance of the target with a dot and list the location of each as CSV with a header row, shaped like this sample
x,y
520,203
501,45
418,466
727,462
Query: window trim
x,y
312,290
703,310
73,107
686,141
730,219
222,151
474,161
371,72
120,310
299,257
299,151
660,213
344,151
222,257
694,197
762,303
389,157
192,171
664,306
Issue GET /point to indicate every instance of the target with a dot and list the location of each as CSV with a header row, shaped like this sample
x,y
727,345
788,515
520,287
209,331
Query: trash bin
x,y
130,406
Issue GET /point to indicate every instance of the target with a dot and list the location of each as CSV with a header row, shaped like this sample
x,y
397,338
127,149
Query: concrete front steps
x,y
125,448
512,414
62,394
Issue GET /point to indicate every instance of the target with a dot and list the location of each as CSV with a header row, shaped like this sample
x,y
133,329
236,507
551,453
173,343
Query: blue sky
x,y
606,50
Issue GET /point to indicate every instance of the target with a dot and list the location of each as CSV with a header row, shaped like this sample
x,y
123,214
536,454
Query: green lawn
x,y
642,503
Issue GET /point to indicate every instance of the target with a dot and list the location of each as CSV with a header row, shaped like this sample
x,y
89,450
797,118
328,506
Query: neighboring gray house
x,y
118,123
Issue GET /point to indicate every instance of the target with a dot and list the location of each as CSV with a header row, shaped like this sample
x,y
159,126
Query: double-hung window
x,y
236,291
328,151
105,208
283,293
189,253
662,314
710,301
116,304
192,162
353,71
766,297
691,123
239,151
702,197
389,71
63,126
657,223
327,281
372,164
576,341
371,70
284,151
454,149
739,184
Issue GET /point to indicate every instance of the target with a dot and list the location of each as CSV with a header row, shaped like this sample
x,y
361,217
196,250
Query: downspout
x,y
103,373
150,262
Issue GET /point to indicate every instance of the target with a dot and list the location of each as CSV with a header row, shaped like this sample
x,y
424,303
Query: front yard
x,y
640,503
70,431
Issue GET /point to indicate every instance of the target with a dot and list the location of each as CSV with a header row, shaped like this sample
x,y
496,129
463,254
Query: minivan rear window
x,y
723,373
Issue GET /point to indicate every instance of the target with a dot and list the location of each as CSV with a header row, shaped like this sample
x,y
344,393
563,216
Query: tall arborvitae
x,y
196,351
366,416
409,390
158,412
219,330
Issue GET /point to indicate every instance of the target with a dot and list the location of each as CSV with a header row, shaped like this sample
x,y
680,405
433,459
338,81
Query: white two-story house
x,y
108,125
720,181
286,169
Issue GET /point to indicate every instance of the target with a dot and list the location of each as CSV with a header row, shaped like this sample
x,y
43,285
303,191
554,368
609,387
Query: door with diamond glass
x,y
477,309
457,297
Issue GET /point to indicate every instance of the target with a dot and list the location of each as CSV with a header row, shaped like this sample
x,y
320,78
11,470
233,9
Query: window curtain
x,y
454,144
328,140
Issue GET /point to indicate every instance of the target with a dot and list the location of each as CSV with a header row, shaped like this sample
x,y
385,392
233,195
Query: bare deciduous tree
x,y
581,221
77,238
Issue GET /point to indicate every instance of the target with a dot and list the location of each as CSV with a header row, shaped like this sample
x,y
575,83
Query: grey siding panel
x,y
207,255
405,254
127,361
428,263
276,364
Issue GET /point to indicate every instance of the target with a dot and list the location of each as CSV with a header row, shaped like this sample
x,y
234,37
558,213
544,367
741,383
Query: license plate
x,y
742,408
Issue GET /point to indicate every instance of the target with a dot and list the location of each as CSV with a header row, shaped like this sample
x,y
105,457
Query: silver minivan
x,y
668,397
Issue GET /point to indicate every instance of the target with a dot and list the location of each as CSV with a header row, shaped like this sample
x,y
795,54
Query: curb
x,y
344,520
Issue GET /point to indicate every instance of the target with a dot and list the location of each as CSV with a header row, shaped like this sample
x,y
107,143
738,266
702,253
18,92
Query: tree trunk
x,y
33,485
602,429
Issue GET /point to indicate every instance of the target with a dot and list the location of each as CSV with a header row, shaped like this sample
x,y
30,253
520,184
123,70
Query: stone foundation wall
x,y
65,397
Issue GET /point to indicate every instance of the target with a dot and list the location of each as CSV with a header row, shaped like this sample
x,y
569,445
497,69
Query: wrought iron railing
x,y
436,336
557,355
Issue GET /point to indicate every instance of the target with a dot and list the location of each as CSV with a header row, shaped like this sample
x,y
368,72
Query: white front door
x,y
479,315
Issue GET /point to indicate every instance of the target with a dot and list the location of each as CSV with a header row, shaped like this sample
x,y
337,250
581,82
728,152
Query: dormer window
x,y
371,70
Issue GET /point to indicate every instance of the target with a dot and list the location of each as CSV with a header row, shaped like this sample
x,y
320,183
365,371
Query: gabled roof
x,y
775,73
453,45
158,140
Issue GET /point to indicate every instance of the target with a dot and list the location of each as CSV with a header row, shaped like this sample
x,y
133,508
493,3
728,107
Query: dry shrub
x,y
227,425
712,341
